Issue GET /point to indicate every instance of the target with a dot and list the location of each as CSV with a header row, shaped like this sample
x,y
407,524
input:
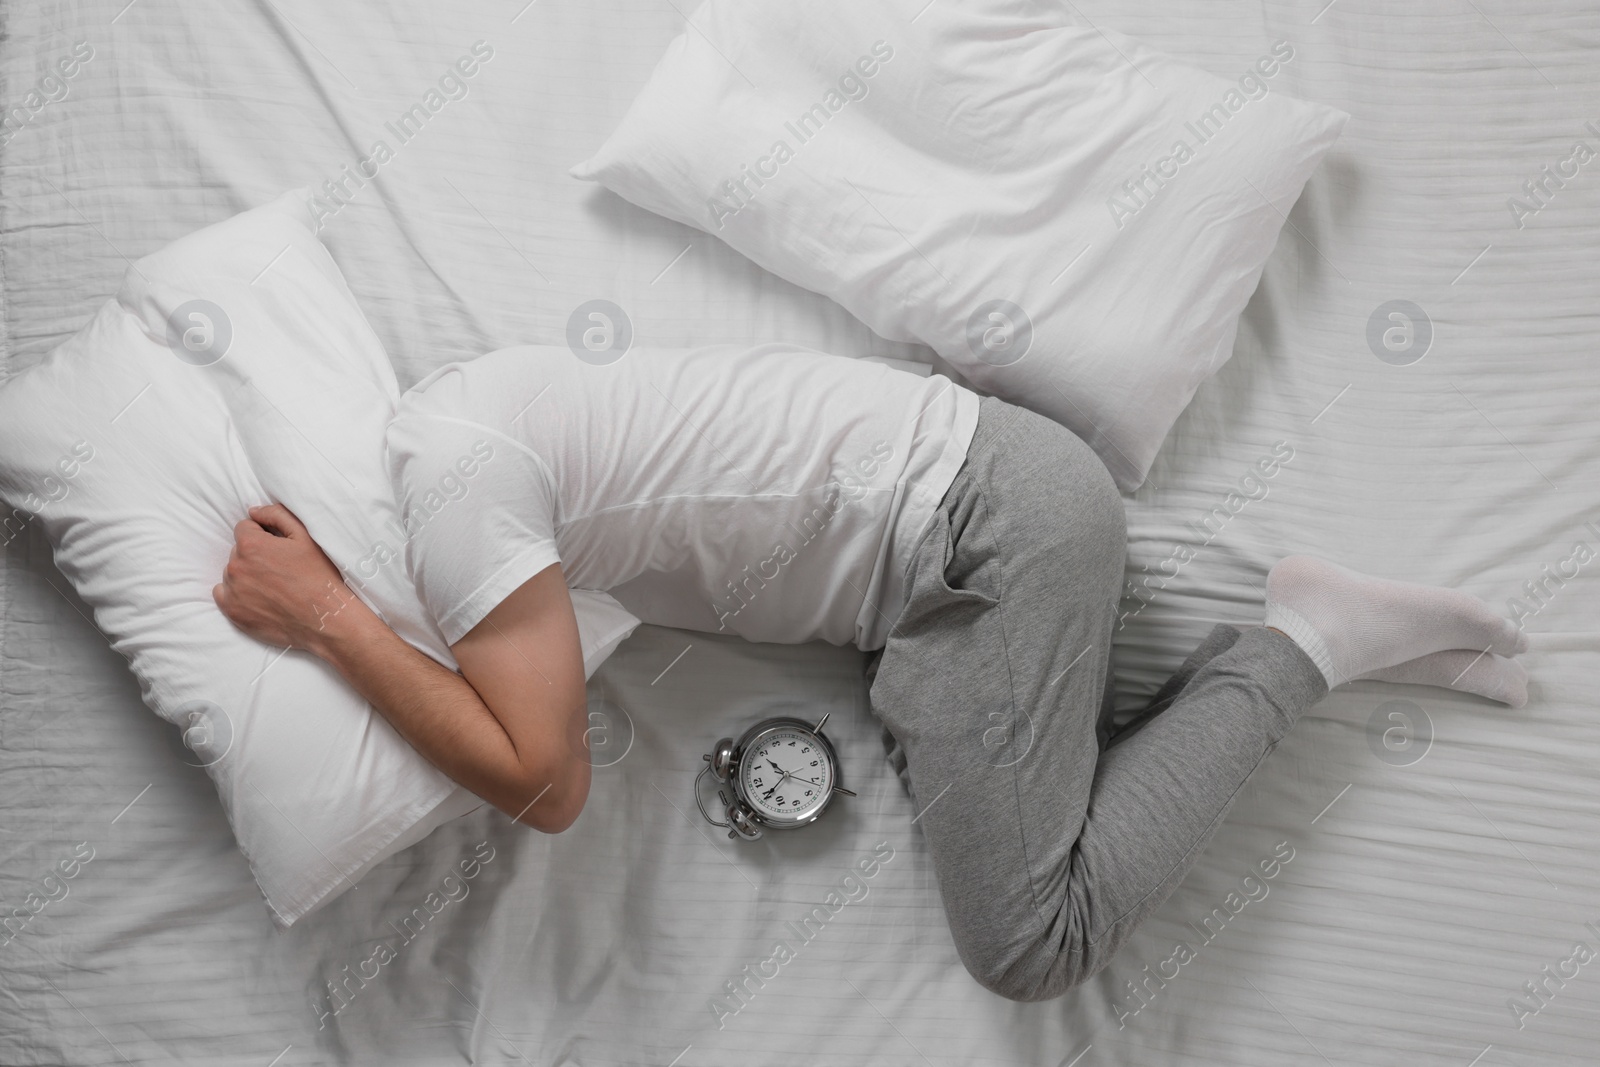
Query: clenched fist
x,y
279,587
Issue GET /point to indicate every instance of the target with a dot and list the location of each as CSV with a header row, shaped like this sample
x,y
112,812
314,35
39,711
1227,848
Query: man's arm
x,y
510,727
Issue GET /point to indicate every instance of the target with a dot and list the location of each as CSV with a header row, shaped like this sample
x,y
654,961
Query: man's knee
x,y
1026,986
1042,972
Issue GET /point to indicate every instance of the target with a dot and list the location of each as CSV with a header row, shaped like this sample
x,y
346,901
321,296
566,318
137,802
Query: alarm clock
x,y
783,773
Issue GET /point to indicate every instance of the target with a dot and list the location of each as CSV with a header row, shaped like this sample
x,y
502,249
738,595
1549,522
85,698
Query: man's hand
x,y
509,727
278,586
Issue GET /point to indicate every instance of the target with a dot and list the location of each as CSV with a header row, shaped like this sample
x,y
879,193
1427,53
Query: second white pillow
x,y
1073,220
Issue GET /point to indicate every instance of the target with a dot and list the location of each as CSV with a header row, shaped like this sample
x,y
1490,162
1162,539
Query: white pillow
x,y
953,174
234,368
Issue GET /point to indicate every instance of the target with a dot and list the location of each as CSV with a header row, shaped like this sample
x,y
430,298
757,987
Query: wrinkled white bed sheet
x,y
1422,894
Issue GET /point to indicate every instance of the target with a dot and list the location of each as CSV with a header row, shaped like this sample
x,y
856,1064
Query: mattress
x,y
1441,865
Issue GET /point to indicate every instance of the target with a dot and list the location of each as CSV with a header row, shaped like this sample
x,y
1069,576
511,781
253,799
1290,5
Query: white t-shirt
x,y
772,492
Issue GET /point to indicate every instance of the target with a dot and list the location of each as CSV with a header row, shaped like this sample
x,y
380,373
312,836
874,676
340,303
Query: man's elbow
x,y
553,821
559,796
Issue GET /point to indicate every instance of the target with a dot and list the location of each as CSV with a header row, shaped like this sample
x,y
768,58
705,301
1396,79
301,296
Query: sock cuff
x,y
1305,635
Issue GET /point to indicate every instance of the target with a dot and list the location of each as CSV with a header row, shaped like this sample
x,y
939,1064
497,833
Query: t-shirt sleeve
x,y
477,513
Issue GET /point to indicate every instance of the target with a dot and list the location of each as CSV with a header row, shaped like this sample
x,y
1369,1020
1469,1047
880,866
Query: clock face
x,y
785,774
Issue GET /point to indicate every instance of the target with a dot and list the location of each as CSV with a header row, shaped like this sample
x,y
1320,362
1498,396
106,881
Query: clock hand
x,y
775,788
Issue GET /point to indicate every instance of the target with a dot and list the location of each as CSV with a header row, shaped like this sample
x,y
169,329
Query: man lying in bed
x,y
788,496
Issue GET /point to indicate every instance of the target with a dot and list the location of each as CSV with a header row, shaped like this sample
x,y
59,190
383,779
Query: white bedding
x,y
1419,897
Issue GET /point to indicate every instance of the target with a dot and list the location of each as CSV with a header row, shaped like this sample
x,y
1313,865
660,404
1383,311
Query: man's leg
x,y
1218,641
1047,852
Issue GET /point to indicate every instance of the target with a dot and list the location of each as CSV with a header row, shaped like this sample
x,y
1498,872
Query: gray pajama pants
x,y
1051,837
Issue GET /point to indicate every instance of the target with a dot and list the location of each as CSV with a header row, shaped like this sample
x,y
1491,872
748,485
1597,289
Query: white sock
x,y
1484,673
1351,624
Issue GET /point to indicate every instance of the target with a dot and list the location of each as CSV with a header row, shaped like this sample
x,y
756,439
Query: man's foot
x,y
1484,673
1351,624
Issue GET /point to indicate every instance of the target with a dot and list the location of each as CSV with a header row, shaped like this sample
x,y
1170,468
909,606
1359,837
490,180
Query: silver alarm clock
x,y
783,772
